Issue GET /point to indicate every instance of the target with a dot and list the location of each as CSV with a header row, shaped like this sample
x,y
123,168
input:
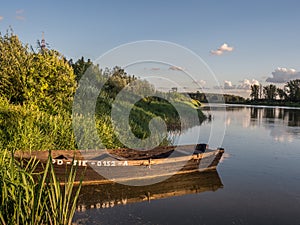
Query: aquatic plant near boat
x,y
31,198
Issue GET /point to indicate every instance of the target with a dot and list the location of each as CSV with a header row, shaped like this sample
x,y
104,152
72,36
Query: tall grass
x,y
30,198
27,128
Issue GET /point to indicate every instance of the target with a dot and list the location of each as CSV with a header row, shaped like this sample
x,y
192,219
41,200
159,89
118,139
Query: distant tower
x,y
43,42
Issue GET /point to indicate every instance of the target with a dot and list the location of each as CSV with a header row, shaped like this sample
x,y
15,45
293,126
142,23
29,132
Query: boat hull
x,y
96,167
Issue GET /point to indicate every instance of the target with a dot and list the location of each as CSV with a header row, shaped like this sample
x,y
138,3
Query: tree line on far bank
x,y
289,93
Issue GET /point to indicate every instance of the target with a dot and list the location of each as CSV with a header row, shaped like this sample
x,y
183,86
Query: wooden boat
x,y
129,166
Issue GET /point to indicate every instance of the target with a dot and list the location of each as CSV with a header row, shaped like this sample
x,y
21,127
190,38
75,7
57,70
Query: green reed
x,y
28,197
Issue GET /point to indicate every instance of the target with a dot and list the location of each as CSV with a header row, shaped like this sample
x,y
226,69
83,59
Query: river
x,y
257,181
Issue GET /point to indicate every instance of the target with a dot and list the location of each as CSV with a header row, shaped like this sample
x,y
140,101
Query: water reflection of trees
x,y
269,113
290,117
254,113
294,118
284,123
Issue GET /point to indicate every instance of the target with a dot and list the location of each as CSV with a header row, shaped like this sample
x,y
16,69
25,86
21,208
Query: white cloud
x,y
20,11
19,14
283,75
178,68
226,48
1,18
216,52
155,68
243,86
218,87
229,85
201,83
223,48
246,84
20,17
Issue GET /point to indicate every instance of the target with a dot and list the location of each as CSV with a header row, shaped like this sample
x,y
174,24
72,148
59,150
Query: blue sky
x,y
264,34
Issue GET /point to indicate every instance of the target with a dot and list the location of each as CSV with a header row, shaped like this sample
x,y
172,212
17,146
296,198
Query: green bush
x,y
26,128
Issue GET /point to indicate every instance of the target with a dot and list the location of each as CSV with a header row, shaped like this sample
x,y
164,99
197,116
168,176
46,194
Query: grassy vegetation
x,y
145,110
26,128
31,198
165,110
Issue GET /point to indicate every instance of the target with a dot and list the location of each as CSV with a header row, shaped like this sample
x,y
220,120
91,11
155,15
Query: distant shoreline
x,y
267,103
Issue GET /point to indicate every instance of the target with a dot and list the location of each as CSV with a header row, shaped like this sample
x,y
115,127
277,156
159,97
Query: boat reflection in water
x,y
114,194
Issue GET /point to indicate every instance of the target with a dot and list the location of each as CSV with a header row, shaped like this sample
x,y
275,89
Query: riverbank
x,y
267,103
29,129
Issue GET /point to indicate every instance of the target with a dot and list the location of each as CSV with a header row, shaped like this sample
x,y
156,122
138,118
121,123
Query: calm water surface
x,y
257,182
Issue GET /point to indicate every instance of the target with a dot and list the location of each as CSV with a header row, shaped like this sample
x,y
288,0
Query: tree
x,y
14,64
254,92
292,89
80,66
270,92
281,94
51,82
43,79
260,91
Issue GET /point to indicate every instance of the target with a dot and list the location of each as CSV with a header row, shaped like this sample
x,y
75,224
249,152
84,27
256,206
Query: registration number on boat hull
x,y
99,163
